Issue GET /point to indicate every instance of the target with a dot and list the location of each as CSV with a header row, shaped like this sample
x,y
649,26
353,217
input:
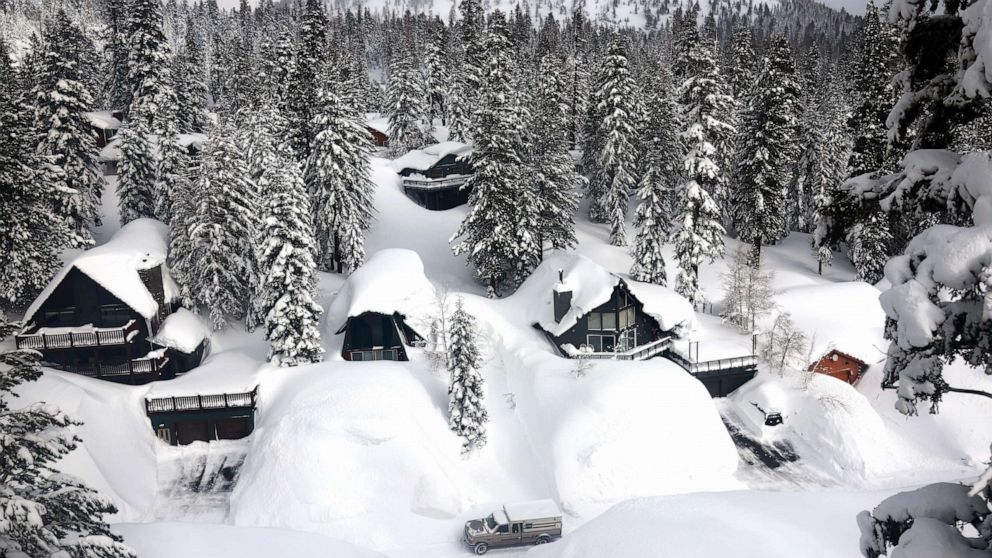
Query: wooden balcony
x,y
43,339
135,371
245,400
711,367
641,352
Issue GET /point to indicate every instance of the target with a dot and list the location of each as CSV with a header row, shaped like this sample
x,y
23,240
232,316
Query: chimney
x,y
562,298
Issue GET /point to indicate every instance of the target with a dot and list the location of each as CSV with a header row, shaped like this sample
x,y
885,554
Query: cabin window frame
x,y
600,337
627,318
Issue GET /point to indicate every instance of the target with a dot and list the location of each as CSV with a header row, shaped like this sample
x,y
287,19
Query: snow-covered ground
x,y
355,459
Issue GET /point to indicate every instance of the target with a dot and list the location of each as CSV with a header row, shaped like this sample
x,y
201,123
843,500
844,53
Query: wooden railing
x,y
104,337
642,352
717,365
245,400
133,367
434,183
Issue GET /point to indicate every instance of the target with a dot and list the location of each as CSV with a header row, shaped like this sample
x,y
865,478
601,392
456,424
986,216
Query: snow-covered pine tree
x,y
473,37
616,166
467,415
182,249
136,173
744,62
284,69
869,246
33,235
767,146
191,83
436,71
149,65
556,180
173,167
225,230
61,99
500,248
407,102
699,234
300,107
337,176
662,162
44,512
285,295
874,96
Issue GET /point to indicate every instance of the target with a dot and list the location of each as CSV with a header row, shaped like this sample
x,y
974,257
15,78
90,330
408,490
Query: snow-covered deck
x,y
246,400
641,352
76,337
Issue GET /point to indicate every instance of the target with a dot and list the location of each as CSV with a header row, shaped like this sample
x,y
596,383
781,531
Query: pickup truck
x,y
537,522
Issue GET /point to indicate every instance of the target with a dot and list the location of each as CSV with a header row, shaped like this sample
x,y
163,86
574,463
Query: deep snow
x,y
361,453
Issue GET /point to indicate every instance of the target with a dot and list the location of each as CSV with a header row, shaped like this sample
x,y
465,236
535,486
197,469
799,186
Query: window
x,y
357,355
601,343
628,340
595,321
627,318
516,527
503,529
164,434
609,321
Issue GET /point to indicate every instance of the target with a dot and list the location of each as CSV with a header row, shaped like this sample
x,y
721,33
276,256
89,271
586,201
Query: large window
x,y
595,321
376,354
609,321
627,318
601,343
602,321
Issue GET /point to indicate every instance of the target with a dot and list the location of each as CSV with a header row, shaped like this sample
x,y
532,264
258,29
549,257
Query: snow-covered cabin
x,y
435,176
105,124
381,306
110,155
840,365
378,127
181,420
592,313
101,313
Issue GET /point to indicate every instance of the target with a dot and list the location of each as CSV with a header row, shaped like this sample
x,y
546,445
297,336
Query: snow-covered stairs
x,y
195,481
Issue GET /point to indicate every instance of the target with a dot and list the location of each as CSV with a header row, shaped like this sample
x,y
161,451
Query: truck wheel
x,y
543,539
481,549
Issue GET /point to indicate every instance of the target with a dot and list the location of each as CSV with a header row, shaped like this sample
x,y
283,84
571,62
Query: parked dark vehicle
x,y
520,524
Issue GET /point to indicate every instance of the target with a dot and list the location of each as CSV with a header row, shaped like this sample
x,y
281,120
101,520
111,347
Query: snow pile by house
x,y
358,451
591,285
140,245
182,330
103,119
390,281
112,151
423,159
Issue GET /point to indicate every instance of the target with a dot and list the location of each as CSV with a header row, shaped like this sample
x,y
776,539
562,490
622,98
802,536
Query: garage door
x,y
191,431
233,428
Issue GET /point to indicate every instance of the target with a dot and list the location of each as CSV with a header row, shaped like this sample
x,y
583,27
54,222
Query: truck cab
x,y
524,523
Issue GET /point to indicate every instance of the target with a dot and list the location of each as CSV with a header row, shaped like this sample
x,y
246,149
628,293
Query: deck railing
x,y
434,183
245,400
103,337
642,352
717,365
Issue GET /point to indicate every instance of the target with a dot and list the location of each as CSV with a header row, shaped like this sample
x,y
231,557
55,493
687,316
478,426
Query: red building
x,y
841,366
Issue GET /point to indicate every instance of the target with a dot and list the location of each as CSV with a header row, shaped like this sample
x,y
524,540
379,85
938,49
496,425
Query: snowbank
x,y
169,540
392,280
103,119
592,285
182,330
139,245
112,151
358,451
423,159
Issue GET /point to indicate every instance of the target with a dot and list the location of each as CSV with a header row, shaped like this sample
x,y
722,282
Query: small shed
x,y
105,124
840,365
381,307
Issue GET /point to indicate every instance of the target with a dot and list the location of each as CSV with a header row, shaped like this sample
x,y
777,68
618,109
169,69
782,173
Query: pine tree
x,y
136,175
337,175
407,98
699,237
473,39
32,236
871,81
44,512
616,165
225,230
285,295
869,246
743,68
555,178
436,72
500,245
767,148
64,134
653,223
304,83
149,65
467,415
183,251
191,83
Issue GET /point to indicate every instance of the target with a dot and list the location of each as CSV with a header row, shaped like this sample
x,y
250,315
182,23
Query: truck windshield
x,y
490,522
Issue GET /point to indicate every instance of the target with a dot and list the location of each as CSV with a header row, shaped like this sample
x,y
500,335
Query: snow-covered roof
x,y
103,119
536,509
390,281
139,245
112,151
181,330
592,285
423,159
377,122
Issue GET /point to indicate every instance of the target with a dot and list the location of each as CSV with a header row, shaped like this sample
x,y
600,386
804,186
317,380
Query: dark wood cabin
x,y
82,327
375,336
183,420
441,186
105,128
842,366
615,326
379,138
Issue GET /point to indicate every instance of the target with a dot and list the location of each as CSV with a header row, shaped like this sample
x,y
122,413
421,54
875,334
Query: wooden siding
x,y
380,139
840,365
645,328
202,418
375,336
